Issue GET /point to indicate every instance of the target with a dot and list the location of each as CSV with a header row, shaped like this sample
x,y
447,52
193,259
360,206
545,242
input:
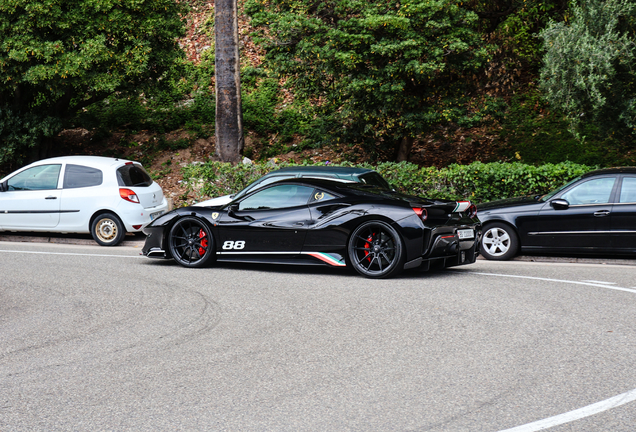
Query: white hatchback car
x,y
80,194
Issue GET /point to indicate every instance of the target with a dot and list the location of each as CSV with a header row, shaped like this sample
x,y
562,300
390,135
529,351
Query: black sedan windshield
x,y
549,195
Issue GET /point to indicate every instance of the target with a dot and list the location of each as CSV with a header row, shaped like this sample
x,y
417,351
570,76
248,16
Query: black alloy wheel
x,y
376,250
191,243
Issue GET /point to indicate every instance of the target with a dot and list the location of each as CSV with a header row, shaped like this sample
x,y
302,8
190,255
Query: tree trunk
x,y
404,149
229,117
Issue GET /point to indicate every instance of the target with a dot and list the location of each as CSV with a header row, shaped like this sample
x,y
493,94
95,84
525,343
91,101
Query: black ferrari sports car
x,y
308,221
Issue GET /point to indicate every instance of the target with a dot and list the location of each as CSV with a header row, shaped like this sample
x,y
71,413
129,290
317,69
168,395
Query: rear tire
x,y
500,242
191,243
376,250
107,229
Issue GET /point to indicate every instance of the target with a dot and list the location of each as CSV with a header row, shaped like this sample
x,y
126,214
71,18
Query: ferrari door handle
x,y
299,223
601,213
51,197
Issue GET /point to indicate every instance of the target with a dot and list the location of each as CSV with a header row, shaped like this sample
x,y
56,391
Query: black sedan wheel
x,y
191,243
499,242
376,250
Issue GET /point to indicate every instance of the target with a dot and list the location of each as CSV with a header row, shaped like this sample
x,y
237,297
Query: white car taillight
x,y
128,195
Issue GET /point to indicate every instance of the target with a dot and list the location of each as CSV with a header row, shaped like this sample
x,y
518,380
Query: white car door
x,y
32,199
83,192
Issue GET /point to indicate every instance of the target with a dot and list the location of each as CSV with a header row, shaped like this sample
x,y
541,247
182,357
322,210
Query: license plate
x,y
465,234
155,215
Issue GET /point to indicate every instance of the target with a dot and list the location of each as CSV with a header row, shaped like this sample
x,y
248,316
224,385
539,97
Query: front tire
x,y
376,250
191,243
107,229
500,242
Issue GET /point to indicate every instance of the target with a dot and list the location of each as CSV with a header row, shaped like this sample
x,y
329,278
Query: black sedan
x,y
377,232
593,214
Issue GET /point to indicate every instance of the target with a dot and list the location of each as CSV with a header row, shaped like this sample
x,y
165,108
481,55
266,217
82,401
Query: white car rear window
x,y
133,175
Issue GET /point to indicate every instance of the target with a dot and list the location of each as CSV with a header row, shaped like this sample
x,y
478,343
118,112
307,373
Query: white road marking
x,y
75,254
595,284
586,411
600,282
577,414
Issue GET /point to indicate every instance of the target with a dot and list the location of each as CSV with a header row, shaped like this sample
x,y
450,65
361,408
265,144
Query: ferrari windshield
x,y
260,183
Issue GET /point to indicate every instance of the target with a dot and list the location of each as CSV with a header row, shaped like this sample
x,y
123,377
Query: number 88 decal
x,y
239,244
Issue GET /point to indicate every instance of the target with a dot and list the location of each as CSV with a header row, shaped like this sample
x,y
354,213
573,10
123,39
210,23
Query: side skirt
x,y
300,258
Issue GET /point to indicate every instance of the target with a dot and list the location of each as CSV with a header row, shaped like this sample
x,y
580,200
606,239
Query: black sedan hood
x,y
509,202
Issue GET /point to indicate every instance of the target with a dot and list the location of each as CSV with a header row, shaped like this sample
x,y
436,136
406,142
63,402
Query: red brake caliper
x,y
367,246
204,242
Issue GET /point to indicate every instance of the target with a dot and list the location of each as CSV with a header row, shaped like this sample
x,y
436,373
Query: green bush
x,y
479,182
211,179
482,182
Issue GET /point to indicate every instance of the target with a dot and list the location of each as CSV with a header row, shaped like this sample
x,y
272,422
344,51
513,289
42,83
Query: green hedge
x,y
479,182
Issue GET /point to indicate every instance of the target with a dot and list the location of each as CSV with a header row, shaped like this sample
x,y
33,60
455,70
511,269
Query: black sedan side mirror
x,y
560,204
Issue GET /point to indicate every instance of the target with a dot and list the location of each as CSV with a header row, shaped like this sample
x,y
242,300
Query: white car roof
x,y
94,161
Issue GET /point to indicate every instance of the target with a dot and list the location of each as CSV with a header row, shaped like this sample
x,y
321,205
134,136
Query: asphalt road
x,y
103,339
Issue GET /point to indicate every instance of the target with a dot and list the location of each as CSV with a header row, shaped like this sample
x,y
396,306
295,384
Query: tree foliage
x,y
590,65
381,72
513,26
20,135
57,56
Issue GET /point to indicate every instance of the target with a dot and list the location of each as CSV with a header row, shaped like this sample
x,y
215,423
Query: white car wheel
x,y
107,229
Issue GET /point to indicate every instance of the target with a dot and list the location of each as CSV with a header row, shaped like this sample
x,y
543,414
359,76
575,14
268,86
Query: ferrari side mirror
x,y
232,208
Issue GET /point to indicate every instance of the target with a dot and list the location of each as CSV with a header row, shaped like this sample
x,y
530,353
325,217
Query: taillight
x,y
129,195
420,212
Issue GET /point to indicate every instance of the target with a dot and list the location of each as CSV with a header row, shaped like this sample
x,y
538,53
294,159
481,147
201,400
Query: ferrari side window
x,y
596,191
36,178
275,197
628,190
319,195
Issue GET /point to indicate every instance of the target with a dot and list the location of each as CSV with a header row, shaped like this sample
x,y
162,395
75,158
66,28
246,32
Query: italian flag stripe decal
x,y
327,258
461,206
